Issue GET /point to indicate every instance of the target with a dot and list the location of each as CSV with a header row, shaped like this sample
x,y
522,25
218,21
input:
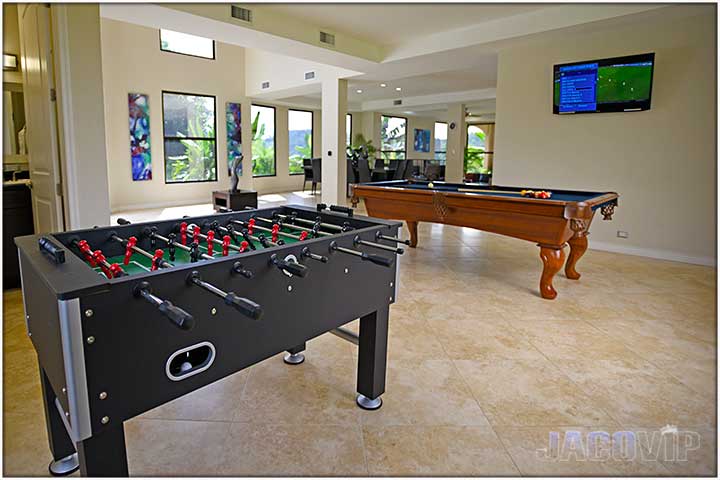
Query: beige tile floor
x,y
481,371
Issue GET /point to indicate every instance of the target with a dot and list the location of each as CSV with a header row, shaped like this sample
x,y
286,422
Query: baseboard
x,y
653,253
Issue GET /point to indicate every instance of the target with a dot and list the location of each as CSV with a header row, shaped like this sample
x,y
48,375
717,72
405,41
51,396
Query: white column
x,y
246,180
455,143
334,163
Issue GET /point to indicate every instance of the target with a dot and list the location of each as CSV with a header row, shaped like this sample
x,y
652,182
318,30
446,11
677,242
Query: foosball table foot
x,y
294,358
65,466
368,404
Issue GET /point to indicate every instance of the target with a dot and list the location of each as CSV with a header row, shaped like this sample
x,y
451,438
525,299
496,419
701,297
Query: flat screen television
x,y
620,84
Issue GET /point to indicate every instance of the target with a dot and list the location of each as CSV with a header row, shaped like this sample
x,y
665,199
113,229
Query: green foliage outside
x,y
301,151
197,162
263,150
392,140
475,153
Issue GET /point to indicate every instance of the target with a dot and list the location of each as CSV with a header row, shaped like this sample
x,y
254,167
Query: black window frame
x,y
405,155
312,136
274,174
435,152
214,57
162,99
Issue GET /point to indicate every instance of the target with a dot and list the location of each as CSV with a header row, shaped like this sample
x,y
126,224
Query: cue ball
x,y
185,366
430,185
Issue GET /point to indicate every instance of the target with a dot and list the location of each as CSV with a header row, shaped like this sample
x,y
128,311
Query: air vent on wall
x,y
309,75
241,13
397,102
265,85
327,38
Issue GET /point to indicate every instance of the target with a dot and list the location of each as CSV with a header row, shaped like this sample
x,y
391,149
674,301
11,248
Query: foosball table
x,y
126,318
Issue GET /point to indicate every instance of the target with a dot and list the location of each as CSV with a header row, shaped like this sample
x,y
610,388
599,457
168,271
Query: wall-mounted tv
x,y
620,84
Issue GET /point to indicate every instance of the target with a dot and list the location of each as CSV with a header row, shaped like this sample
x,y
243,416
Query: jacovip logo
x,y
667,444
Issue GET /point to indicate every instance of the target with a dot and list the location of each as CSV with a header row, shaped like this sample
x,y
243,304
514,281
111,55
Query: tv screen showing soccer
x,y
621,84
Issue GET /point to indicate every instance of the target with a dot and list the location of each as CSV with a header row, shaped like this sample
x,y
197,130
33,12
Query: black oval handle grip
x,y
340,209
378,259
293,267
244,306
122,221
177,315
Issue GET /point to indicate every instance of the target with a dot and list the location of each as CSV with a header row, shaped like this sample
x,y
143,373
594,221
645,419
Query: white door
x,y
41,118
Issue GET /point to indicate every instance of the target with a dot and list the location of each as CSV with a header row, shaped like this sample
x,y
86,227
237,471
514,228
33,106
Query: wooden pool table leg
x,y
578,245
412,227
552,258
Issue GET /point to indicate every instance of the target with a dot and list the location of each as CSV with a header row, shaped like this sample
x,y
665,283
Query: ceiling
x,y
390,24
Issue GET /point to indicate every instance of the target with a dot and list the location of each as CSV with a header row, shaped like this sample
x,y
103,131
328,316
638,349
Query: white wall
x,y
133,62
662,162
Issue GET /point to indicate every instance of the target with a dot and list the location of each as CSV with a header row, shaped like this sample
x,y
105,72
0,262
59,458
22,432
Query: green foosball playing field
x,y
142,264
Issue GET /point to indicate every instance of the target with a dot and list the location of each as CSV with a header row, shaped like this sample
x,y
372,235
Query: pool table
x,y
551,223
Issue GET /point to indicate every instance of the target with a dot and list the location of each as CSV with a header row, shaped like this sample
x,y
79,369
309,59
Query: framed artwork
x,y
234,136
139,123
422,140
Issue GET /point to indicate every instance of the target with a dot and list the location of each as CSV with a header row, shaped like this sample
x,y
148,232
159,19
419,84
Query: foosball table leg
x,y
294,355
65,460
372,359
104,454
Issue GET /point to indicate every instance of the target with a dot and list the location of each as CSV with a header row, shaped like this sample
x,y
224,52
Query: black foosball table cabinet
x,y
113,344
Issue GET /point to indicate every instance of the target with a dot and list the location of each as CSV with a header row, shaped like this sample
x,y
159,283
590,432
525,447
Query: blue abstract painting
x,y
422,140
234,135
139,122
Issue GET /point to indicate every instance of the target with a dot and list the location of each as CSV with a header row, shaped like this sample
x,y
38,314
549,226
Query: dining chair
x,y
307,168
400,169
316,173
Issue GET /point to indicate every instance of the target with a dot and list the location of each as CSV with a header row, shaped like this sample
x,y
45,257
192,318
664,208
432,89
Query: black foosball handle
x,y
122,221
340,209
244,306
179,317
377,259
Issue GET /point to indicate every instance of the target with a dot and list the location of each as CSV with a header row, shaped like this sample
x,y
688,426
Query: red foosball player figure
x,y
100,261
129,249
157,258
116,270
303,235
183,233
275,232
210,240
244,245
196,234
226,245
250,226
84,247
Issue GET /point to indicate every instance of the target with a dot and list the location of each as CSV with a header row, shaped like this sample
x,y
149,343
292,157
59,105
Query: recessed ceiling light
x,y
398,89
358,91
383,85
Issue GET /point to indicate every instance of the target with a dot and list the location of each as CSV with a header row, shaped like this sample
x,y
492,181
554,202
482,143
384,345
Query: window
x,y
348,129
186,44
440,141
189,137
475,150
300,135
263,143
393,137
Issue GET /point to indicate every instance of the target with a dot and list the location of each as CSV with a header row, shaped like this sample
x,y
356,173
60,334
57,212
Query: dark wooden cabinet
x,y
17,221
234,200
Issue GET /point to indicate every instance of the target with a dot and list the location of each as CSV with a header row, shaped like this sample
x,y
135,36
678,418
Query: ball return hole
x,y
190,361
